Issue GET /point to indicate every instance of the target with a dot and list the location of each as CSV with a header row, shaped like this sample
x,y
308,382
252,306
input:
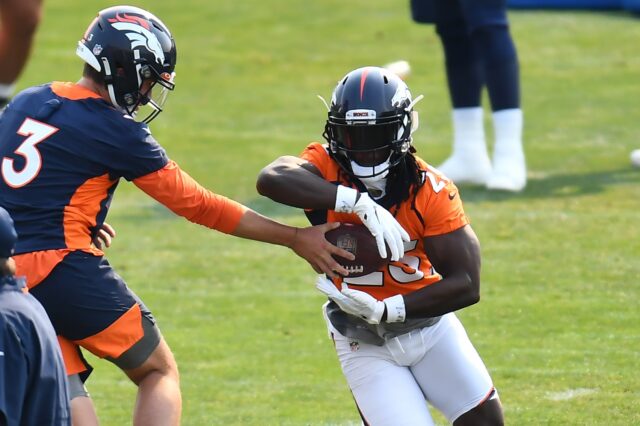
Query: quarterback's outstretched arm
x,y
308,243
184,196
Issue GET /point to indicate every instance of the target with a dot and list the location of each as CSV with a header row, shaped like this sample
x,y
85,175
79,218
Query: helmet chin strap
x,y
376,188
107,73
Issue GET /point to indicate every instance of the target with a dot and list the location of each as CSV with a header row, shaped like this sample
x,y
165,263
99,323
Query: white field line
x,y
569,394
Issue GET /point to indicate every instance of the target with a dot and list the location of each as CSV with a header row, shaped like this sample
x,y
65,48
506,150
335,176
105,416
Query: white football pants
x,y
391,383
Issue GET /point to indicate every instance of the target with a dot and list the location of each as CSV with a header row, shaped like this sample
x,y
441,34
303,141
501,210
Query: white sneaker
x,y
464,167
509,173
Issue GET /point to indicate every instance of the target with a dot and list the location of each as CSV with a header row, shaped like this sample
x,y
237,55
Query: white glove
x,y
326,286
361,304
381,223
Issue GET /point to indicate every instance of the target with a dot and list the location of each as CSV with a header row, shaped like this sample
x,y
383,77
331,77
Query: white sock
x,y
507,124
469,162
468,130
6,90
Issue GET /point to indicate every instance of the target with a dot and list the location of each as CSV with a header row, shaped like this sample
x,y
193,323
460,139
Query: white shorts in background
x,y
391,383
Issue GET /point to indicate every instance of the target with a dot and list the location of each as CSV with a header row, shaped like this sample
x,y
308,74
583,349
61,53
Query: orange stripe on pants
x,y
73,363
120,336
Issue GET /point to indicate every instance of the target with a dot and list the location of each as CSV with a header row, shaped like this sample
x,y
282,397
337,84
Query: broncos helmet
x,y
128,46
370,122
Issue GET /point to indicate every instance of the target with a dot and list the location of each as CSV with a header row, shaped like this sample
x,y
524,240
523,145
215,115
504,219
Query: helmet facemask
x,y
369,149
141,98
152,94
377,146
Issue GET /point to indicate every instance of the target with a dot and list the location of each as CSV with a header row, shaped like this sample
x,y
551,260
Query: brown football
x,y
358,240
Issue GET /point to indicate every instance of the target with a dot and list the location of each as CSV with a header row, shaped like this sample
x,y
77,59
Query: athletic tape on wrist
x,y
395,308
345,199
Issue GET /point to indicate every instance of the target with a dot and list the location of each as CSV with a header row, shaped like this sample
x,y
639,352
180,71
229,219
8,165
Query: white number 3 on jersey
x,y
36,132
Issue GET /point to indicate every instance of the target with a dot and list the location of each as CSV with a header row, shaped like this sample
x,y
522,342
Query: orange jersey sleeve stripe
x,y
81,212
72,91
37,265
174,188
72,362
114,340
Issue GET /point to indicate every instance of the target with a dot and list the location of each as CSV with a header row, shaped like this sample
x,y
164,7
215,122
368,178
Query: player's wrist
x,y
346,199
394,309
377,313
292,238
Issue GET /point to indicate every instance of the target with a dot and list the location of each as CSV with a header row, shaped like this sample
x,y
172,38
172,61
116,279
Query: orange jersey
x,y
434,210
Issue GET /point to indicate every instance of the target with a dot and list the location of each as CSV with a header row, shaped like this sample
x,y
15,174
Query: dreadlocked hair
x,y
344,176
404,180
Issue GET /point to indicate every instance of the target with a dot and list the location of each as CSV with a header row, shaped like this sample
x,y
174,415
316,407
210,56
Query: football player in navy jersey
x,y
479,51
19,20
33,388
64,147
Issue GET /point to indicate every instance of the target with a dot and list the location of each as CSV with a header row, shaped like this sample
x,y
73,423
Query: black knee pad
x,y
76,387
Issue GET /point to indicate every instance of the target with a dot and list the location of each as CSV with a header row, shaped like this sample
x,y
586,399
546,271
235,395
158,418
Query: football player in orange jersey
x,y
64,147
19,20
395,332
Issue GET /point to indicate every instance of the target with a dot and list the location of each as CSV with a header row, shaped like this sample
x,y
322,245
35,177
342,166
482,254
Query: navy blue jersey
x,y
63,150
33,385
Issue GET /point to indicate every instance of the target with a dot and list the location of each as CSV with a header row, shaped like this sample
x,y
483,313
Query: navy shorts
x,y
90,306
473,13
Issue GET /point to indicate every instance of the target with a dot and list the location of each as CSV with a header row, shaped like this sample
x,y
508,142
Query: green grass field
x,y
559,321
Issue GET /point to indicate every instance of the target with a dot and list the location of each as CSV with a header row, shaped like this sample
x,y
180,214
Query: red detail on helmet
x,y
132,19
363,78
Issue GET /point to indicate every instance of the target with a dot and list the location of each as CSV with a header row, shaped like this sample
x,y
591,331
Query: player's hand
x,y
354,302
326,286
311,245
104,236
383,226
363,305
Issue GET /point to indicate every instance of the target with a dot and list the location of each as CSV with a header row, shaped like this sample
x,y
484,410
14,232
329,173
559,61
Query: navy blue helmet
x,y
127,46
370,121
